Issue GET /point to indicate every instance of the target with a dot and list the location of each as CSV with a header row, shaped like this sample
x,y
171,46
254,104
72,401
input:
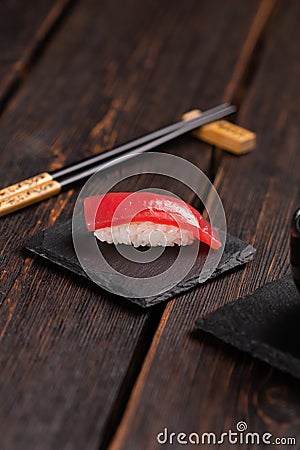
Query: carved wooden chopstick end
x,y
18,196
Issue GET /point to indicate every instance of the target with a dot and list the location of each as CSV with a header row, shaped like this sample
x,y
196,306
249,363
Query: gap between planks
x,y
245,70
33,52
242,77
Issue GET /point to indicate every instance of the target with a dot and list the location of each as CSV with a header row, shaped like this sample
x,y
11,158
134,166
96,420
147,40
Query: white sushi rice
x,y
145,234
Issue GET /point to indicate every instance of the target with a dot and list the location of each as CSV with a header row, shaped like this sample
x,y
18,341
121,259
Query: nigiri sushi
x,y
147,219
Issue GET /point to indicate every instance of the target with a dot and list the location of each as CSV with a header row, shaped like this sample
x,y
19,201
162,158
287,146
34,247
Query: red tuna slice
x,y
119,208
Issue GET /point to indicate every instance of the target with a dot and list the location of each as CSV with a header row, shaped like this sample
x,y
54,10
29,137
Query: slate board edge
x,y
251,348
237,259
254,348
140,302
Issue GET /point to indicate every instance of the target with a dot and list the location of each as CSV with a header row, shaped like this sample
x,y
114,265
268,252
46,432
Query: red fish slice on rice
x,y
147,219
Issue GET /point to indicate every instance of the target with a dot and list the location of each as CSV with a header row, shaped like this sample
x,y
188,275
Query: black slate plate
x,y
55,244
264,324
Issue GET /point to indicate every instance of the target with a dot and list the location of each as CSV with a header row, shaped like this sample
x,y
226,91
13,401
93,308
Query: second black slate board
x,y
55,244
264,324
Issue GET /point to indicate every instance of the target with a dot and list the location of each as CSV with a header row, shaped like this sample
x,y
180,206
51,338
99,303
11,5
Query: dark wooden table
x,y
78,370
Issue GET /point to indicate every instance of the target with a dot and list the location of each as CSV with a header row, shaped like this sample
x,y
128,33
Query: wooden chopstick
x,y
186,126
36,193
46,185
94,160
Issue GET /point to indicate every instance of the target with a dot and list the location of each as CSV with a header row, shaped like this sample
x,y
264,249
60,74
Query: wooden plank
x,y
24,28
190,382
69,355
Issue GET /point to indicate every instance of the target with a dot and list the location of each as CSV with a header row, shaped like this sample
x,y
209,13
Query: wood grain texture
x,y
112,72
24,28
189,381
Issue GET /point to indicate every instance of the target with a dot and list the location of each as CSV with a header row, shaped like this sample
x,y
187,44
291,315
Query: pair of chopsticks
x,y
48,184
